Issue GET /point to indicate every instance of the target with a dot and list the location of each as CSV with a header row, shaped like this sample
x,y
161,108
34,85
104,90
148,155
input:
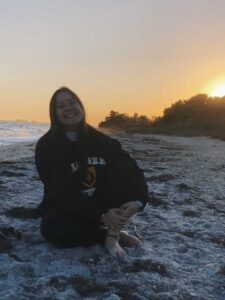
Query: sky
x,y
130,56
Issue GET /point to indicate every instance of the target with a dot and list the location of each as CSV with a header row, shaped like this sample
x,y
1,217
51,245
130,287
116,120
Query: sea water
x,y
21,131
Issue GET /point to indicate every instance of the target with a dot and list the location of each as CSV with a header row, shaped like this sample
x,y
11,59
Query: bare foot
x,y
129,240
113,247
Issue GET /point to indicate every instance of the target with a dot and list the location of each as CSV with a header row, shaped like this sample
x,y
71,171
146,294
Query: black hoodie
x,y
112,176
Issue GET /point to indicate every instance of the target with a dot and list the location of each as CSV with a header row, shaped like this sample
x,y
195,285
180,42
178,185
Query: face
x,y
68,110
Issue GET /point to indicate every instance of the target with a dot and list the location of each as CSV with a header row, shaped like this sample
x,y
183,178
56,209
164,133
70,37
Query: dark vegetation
x,y
119,121
200,115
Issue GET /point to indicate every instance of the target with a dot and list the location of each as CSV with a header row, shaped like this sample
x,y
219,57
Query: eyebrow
x,y
69,99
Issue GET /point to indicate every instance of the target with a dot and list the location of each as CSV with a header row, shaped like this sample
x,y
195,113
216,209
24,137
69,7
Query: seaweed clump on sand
x,y
219,240
146,265
6,236
22,213
156,202
84,286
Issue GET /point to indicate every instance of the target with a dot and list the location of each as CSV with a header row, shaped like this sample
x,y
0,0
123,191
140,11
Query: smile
x,y
69,116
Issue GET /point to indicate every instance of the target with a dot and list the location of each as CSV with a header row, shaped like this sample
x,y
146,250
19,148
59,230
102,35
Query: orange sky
x,y
126,55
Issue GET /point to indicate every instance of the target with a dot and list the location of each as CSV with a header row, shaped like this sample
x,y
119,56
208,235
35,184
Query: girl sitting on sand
x,y
91,185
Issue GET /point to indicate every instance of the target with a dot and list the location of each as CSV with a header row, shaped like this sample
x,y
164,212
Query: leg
x,y
120,190
117,238
67,231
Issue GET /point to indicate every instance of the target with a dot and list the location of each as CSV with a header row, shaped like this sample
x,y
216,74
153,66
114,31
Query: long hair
x,y
58,134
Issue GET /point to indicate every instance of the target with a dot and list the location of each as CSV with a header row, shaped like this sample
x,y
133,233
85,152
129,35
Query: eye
x,y
59,106
73,102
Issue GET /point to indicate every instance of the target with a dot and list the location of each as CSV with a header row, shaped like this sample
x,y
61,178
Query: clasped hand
x,y
116,218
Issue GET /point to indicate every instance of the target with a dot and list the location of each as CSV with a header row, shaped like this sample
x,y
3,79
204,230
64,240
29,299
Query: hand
x,y
114,219
130,208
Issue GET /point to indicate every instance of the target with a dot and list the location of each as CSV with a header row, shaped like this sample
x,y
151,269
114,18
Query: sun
x,y
218,91
215,88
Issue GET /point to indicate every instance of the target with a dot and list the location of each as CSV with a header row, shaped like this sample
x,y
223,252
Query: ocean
x,y
20,131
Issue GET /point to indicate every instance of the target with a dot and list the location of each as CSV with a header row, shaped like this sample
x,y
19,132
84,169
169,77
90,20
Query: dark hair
x,y
58,134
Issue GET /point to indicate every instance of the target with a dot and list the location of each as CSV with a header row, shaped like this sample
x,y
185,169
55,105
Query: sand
x,y
183,230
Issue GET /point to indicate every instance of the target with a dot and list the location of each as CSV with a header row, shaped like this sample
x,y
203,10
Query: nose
x,y
68,107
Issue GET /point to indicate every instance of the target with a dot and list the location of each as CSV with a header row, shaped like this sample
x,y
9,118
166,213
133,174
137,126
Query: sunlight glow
x,y
218,91
216,87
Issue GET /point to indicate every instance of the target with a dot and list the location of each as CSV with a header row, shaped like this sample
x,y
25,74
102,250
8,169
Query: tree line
x,y
199,115
121,121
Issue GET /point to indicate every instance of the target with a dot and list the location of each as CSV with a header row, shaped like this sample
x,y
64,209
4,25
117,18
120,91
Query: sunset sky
x,y
126,55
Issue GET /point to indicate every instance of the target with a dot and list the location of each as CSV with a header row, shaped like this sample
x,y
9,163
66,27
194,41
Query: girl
x,y
91,185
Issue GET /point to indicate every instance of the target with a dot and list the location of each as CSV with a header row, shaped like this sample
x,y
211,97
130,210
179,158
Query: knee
x,y
123,186
47,226
50,228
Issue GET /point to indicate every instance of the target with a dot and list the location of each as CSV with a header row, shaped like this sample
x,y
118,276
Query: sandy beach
x,y
183,229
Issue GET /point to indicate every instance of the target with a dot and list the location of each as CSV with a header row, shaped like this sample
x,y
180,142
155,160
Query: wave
x,y
20,131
